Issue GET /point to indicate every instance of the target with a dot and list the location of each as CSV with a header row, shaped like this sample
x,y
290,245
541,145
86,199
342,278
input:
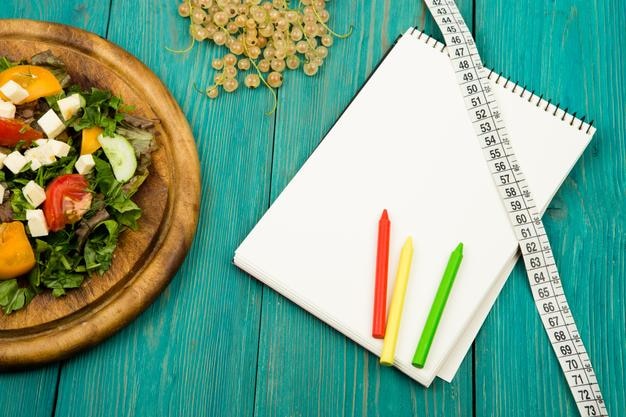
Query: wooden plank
x,y
194,351
92,17
305,367
31,392
572,51
36,389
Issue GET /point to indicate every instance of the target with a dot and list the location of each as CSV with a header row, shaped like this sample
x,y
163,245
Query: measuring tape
x,y
521,209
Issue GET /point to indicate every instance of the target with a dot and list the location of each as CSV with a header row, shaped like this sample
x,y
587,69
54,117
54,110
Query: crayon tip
x,y
459,248
408,243
385,215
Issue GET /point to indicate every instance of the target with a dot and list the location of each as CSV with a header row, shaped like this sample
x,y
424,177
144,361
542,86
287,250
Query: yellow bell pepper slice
x,y
90,142
16,254
38,81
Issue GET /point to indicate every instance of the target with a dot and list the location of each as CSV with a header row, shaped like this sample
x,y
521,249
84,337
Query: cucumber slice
x,y
121,155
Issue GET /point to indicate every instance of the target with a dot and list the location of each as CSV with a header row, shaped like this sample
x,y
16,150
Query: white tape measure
x,y
512,186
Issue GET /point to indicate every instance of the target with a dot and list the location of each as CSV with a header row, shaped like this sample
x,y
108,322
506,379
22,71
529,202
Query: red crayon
x,y
382,267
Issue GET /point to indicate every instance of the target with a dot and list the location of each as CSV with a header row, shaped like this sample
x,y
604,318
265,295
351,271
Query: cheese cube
x,y
41,142
59,148
34,194
15,161
35,164
45,152
51,124
69,106
2,158
2,189
7,110
14,92
85,164
37,223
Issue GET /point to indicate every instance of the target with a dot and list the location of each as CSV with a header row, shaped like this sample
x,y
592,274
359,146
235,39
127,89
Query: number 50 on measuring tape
x,y
521,209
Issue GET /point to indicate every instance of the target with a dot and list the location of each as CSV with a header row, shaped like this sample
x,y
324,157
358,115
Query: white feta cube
x,y
7,110
14,92
84,164
40,156
60,149
41,142
34,194
2,189
2,158
51,124
37,223
44,152
35,164
15,161
69,106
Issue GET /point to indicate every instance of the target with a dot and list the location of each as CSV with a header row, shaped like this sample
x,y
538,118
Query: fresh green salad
x,y
71,159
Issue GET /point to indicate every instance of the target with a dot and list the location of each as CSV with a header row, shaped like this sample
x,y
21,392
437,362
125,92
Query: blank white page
x,y
406,144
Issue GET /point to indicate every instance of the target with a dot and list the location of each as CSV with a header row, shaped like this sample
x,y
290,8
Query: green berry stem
x,y
332,32
191,44
253,62
308,40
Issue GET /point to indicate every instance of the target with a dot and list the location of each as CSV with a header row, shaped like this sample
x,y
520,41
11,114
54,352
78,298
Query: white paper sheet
x,y
405,144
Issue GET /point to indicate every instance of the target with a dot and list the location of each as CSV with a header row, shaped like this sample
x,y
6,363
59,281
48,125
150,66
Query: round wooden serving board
x,y
145,260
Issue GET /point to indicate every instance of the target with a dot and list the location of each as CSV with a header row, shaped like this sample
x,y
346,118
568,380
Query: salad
x,y
71,160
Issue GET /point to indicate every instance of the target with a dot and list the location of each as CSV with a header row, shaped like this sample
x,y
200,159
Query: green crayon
x,y
428,334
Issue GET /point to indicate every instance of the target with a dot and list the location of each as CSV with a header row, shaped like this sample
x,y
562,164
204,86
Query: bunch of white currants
x,y
264,39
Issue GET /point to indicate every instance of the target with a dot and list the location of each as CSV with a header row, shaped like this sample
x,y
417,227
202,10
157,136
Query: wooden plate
x,y
49,329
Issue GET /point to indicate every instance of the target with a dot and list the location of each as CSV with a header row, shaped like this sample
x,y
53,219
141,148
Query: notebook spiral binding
x,y
540,100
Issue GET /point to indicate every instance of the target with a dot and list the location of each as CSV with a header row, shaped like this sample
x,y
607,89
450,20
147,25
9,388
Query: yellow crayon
x,y
397,304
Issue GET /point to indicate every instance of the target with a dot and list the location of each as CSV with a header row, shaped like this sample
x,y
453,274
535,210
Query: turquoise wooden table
x,y
217,343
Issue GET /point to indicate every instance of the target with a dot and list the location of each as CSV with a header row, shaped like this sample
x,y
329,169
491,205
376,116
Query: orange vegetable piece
x,y
38,81
16,254
90,142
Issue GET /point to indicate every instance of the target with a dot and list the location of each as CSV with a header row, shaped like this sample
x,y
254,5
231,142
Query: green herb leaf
x,y
101,245
19,205
63,166
102,109
5,63
105,180
57,264
12,297
123,209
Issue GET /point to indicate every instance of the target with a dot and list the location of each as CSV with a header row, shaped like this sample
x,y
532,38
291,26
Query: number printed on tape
x,y
524,216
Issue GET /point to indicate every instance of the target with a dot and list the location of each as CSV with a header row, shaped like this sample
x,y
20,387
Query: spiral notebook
x,y
406,144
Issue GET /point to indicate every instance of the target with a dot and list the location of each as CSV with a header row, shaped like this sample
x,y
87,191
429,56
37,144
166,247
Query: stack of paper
x,y
406,144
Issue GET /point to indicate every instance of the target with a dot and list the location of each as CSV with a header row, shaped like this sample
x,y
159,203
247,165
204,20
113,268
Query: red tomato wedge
x,y
12,131
67,200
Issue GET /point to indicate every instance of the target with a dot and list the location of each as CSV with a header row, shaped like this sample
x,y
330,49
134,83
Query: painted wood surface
x,y
218,343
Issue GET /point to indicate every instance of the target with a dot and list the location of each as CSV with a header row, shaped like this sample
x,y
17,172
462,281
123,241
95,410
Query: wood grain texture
x,y
296,349
193,353
37,388
573,52
145,259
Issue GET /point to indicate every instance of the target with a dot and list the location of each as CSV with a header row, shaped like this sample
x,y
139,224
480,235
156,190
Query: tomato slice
x,y
12,131
67,201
